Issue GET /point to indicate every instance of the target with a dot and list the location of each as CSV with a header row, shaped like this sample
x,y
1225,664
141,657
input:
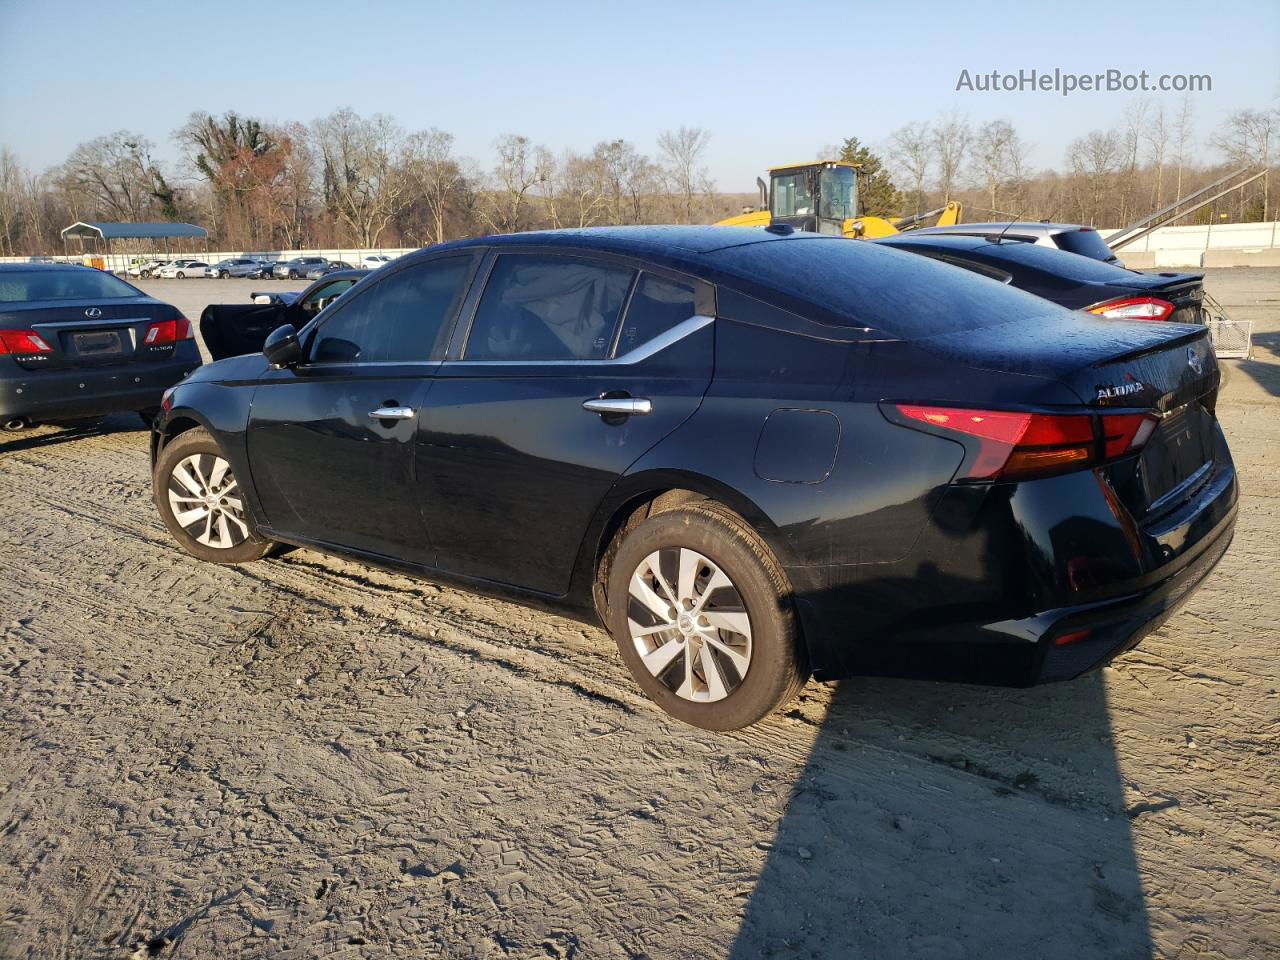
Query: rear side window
x,y
656,306
400,320
548,308
858,283
79,283
1087,243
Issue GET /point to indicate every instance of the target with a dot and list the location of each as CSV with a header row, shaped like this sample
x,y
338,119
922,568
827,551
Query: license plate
x,y
100,343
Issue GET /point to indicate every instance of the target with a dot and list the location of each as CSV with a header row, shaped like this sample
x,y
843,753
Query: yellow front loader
x,y
823,197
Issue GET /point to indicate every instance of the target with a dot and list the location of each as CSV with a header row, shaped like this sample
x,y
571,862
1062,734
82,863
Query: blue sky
x,y
773,82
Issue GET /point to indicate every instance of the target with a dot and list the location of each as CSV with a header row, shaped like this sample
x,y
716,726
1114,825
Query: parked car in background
x,y
331,267
236,267
231,329
1071,237
296,268
374,260
81,343
181,269
1067,279
754,455
145,268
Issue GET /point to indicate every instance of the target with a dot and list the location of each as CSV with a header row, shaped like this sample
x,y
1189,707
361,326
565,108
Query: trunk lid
x,y
114,334
1184,290
1112,365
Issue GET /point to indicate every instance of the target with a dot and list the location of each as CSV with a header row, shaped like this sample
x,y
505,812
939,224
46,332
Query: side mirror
x,y
281,347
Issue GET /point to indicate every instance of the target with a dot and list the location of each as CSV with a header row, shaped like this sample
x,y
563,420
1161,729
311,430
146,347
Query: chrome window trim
x,y
643,352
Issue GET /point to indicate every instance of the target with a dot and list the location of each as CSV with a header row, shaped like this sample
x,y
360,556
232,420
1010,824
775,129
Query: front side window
x,y
400,320
791,196
656,306
839,189
548,308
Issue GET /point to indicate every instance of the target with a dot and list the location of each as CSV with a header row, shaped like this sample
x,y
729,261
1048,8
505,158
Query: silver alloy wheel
x,y
689,624
205,500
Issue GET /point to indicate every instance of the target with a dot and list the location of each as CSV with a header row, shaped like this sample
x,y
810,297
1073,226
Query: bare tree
x,y
1182,132
999,157
1245,137
1094,159
951,139
682,149
363,172
1157,147
521,166
913,145
12,201
113,177
435,174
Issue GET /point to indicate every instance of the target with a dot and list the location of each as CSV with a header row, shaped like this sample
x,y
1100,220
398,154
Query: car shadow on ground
x,y
952,820
1266,373
52,434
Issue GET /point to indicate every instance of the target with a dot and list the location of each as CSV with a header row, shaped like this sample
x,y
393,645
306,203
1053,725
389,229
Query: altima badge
x,y
1194,361
1120,390
93,313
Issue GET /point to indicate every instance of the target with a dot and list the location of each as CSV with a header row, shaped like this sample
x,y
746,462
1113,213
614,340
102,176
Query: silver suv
x,y
1071,237
238,267
297,268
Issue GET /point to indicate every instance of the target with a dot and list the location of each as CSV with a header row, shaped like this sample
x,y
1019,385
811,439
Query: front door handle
x,y
619,406
392,413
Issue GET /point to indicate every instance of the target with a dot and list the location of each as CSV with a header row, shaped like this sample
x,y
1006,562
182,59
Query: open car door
x,y
233,329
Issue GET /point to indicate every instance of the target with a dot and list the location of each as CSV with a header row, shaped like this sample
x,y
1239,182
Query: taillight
x,y
168,331
1134,308
22,342
1007,445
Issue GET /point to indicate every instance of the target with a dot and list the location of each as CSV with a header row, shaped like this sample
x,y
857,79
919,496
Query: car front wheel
x,y
702,615
201,501
180,275
224,274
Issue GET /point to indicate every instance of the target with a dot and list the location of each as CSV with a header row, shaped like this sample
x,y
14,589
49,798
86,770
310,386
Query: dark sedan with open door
x,y
756,456
76,342
230,329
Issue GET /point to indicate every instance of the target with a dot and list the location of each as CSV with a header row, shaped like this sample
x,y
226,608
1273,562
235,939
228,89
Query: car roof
x,y
11,267
694,240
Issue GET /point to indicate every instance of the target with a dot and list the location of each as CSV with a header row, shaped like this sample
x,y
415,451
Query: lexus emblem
x,y
1194,361
93,313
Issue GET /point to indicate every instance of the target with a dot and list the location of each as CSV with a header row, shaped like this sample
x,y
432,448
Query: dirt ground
x,y
306,757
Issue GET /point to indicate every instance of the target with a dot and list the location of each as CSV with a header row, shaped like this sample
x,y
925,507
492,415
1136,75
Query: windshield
x,y
77,283
839,189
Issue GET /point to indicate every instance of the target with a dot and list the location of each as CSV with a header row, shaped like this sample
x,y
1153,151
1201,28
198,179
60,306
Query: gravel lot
x,y
306,757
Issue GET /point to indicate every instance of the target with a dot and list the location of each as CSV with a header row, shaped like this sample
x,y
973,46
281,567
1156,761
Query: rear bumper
x,y
1037,584
87,392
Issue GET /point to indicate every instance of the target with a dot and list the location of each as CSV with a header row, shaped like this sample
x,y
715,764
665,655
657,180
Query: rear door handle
x,y
619,406
392,413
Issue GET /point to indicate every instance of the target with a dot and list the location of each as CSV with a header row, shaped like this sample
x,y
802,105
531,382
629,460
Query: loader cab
x,y
819,197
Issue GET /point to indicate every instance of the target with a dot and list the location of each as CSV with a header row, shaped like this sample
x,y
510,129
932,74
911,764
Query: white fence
x,y
119,262
1178,246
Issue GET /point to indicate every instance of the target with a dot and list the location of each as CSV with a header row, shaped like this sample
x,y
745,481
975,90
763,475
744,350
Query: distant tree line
x,y
347,180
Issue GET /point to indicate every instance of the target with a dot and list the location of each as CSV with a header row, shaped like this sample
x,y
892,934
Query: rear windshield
x,y
1087,243
897,293
77,283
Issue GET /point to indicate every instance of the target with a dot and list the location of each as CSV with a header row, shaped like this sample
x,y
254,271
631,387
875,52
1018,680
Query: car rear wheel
x,y
201,502
701,612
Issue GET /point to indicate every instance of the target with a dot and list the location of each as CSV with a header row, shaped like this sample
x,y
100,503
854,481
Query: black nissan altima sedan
x,y
77,342
757,456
